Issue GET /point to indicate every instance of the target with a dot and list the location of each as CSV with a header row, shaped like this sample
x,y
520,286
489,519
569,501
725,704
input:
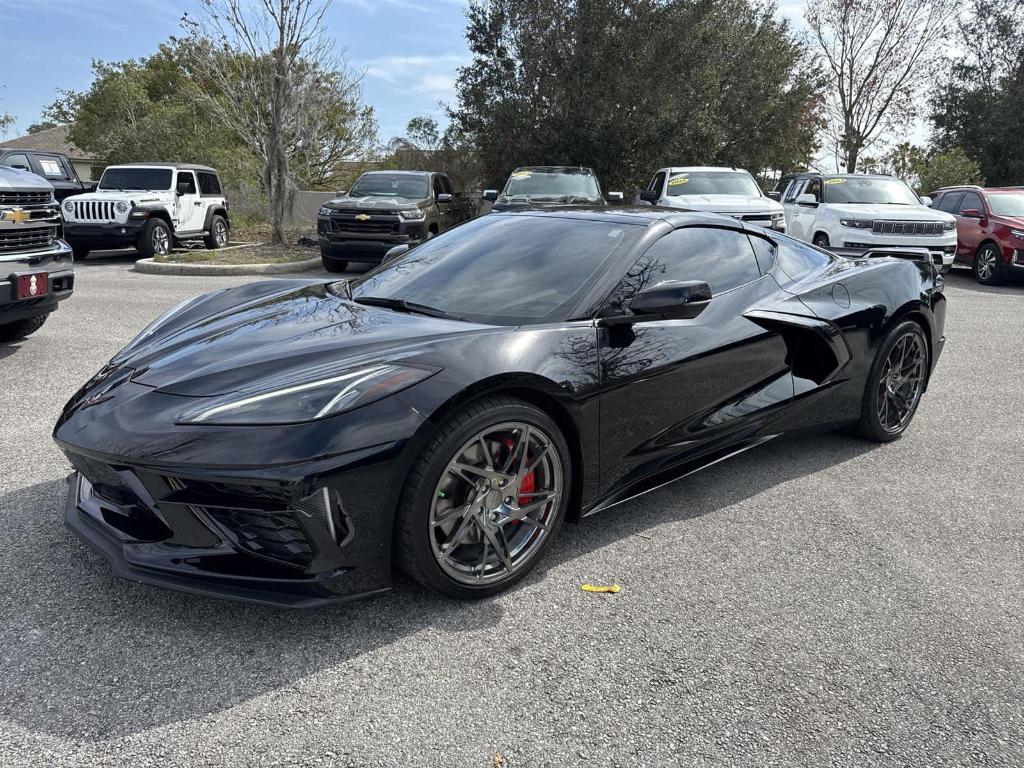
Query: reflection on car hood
x,y
234,338
723,203
372,203
895,212
21,181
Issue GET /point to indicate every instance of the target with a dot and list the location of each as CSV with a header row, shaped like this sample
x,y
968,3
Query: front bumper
x,y
339,237
942,251
56,262
103,235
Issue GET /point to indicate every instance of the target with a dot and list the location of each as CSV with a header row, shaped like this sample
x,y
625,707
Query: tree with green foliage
x,y
426,147
947,168
978,107
626,86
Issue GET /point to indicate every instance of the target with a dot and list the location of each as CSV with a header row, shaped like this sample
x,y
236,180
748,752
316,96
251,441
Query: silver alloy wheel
x,y
220,233
161,240
494,503
986,265
901,382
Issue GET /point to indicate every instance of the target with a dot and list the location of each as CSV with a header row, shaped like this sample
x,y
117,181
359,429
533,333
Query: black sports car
x,y
288,441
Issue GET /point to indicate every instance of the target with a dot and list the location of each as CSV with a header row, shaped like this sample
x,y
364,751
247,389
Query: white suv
x,y
852,214
149,206
729,191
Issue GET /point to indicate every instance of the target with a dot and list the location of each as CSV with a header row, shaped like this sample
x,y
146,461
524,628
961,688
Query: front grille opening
x,y
25,198
134,521
274,535
325,507
17,240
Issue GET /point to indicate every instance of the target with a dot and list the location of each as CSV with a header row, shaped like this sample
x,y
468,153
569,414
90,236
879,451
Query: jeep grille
x,y
906,228
94,210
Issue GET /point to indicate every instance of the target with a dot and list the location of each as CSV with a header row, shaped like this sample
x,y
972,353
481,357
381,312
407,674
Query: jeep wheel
x,y
155,239
218,236
79,253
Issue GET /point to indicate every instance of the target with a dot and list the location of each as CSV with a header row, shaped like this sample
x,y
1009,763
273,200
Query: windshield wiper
x,y
401,305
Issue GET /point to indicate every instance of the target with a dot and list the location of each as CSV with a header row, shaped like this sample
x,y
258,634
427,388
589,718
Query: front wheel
x,y
485,499
331,264
987,263
155,239
821,240
895,384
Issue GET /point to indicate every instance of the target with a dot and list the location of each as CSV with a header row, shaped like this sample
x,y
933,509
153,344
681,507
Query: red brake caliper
x,y
527,486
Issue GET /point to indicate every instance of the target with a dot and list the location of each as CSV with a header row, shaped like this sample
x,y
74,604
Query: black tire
x,y
219,233
988,264
79,253
146,242
330,263
413,550
870,426
22,328
821,240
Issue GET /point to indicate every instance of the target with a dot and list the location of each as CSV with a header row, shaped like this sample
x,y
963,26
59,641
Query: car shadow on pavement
x,y
86,655
964,278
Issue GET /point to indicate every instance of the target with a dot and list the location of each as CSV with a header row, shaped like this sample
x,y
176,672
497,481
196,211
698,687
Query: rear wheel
x,y
987,264
895,384
218,237
155,239
485,499
22,328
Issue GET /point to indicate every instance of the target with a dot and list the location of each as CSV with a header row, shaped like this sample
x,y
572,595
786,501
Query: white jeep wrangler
x,y
150,206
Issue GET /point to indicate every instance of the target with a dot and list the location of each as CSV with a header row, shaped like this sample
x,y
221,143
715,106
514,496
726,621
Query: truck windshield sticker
x,y
522,175
675,182
51,168
835,181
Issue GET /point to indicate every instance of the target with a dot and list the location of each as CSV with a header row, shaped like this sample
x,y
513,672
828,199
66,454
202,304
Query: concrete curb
x,y
150,267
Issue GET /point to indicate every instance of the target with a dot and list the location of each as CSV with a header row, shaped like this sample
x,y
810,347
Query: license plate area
x,y
32,286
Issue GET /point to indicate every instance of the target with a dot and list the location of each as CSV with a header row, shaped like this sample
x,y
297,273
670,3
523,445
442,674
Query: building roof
x,y
49,140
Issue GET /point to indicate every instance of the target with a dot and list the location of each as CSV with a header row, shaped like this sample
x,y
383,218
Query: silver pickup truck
x,y
36,266
385,209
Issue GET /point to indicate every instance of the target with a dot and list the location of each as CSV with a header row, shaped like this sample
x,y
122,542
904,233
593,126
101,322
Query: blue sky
x,y
409,49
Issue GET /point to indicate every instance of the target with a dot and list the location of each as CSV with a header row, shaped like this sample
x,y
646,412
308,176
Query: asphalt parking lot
x,y
819,601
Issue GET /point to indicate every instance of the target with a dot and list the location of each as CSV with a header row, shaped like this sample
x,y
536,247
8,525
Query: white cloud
x,y
423,6
432,76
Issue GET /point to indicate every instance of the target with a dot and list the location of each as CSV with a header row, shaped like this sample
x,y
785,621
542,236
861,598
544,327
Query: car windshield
x,y
390,185
136,178
712,183
866,190
553,185
503,269
1006,203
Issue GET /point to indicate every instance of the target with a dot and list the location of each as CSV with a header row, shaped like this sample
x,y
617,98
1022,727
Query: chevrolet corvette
x,y
292,442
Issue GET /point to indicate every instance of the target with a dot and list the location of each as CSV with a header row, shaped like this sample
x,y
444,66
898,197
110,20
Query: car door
x,y
950,203
969,229
191,209
675,388
789,206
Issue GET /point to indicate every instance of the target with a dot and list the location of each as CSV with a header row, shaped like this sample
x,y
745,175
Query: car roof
x,y
703,168
397,173
554,169
179,166
637,215
976,187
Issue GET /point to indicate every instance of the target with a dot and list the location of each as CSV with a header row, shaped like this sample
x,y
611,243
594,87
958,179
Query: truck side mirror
x,y
342,192
649,196
808,200
444,197
491,194
615,197
776,196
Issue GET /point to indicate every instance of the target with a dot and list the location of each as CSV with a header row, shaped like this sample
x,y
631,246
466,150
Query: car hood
x,y
232,339
729,204
21,181
136,196
371,203
896,212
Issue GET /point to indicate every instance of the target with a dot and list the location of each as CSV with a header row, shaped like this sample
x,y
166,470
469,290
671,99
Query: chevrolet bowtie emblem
x,y
362,216
15,215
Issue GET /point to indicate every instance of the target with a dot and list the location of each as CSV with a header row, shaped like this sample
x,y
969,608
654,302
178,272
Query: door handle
x,y
198,202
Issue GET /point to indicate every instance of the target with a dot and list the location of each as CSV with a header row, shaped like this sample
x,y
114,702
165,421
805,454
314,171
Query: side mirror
x,y
614,197
972,213
648,196
444,197
394,253
808,200
776,196
925,200
491,194
183,189
668,300
342,192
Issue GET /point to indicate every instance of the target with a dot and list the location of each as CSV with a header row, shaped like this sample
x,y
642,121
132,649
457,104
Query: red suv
x,y
989,229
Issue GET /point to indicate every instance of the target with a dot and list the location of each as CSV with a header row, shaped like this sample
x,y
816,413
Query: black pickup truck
x,y
385,209
52,166
550,186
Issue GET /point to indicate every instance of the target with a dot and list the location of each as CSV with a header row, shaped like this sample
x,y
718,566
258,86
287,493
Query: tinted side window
x,y
799,260
209,184
722,258
51,167
186,183
446,186
971,200
813,188
18,161
950,202
793,191
764,250
438,189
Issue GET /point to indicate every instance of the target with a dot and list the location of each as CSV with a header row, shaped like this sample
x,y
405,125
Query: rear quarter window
x,y
209,184
799,260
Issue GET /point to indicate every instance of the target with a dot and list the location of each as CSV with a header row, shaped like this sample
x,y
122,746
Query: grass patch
x,y
253,254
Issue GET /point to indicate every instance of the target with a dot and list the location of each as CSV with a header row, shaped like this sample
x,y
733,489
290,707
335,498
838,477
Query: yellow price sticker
x,y
835,181
677,182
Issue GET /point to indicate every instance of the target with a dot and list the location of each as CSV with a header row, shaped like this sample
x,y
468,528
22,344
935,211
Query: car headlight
x,y
69,207
413,215
949,226
857,223
122,207
298,401
324,212
1018,233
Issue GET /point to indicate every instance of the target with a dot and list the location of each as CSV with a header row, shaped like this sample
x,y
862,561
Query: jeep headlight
x,y
69,207
122,207
414,214
324,212
857,223
308,397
